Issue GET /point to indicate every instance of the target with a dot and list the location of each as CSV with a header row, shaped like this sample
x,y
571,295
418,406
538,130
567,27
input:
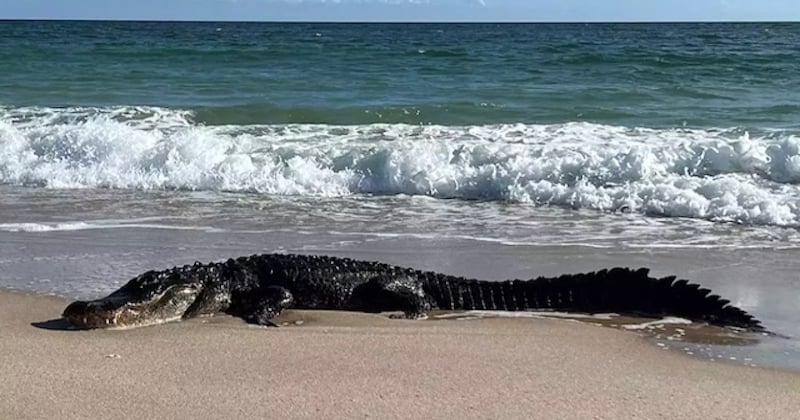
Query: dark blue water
x,y
652,75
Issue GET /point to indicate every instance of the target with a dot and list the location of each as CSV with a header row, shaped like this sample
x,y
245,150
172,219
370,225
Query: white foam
x,y
41,227
72,226
663,321
718,175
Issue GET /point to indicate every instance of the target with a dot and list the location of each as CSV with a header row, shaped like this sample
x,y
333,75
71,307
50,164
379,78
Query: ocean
x,y
488,150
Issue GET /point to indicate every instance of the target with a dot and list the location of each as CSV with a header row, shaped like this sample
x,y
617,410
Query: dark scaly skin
x,y
257,288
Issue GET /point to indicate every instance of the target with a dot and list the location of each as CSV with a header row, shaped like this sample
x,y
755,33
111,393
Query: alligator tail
x,y
619,290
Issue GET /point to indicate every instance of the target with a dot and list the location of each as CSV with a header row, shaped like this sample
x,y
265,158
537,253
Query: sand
x,y
349,365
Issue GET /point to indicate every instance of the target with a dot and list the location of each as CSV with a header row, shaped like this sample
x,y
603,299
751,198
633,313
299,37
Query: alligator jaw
x,y
85,314
119,311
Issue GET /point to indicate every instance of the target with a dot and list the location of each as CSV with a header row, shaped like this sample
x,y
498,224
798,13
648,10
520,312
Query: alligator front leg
x,y
391,293
261,305
214,298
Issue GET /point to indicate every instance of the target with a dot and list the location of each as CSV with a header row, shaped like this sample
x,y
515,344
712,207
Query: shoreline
x,y
357,365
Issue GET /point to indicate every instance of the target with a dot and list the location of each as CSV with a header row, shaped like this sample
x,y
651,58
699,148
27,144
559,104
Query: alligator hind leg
x,y
381,294
260,306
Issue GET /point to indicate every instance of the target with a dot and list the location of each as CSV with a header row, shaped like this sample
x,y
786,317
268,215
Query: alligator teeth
x,y
85,321
108,321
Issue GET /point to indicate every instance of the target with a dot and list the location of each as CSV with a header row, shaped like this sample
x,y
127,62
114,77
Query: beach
x,y
88,260
344,365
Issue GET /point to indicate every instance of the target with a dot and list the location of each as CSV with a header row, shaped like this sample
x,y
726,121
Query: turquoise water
x,y
650,75
692,121
697,122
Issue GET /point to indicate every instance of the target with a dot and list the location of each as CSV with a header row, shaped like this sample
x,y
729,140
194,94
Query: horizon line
x,y
45,19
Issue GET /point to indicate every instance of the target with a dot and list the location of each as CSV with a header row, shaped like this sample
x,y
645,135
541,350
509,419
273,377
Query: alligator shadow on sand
x,y
58,324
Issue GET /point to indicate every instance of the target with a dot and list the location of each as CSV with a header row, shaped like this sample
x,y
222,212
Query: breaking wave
x,y
714,174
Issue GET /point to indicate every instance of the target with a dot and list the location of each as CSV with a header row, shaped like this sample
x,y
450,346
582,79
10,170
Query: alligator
x,y
257,288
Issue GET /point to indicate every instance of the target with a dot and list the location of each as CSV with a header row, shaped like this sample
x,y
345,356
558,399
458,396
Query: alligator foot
x,y
263,305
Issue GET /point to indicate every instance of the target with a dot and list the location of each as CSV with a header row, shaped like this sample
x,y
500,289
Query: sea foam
x,y
712,174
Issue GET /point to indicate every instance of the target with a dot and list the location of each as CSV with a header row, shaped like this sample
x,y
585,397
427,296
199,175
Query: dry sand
x,y
342,365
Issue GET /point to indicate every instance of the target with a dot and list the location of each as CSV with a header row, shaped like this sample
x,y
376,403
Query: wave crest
x,y
720,175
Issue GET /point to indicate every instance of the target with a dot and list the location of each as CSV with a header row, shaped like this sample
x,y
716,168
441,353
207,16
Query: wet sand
x,y
348,365
91,262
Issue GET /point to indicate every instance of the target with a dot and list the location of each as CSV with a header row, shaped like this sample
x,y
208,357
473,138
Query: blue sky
x,y
405,10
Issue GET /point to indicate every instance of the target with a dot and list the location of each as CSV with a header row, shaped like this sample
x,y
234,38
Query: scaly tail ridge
x,y
620,290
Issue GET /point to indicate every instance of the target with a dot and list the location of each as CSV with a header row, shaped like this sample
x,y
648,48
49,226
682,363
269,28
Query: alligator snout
x,y
84,314
124,309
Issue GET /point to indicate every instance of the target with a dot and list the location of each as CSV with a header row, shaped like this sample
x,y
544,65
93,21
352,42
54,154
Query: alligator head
x,y
151,298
